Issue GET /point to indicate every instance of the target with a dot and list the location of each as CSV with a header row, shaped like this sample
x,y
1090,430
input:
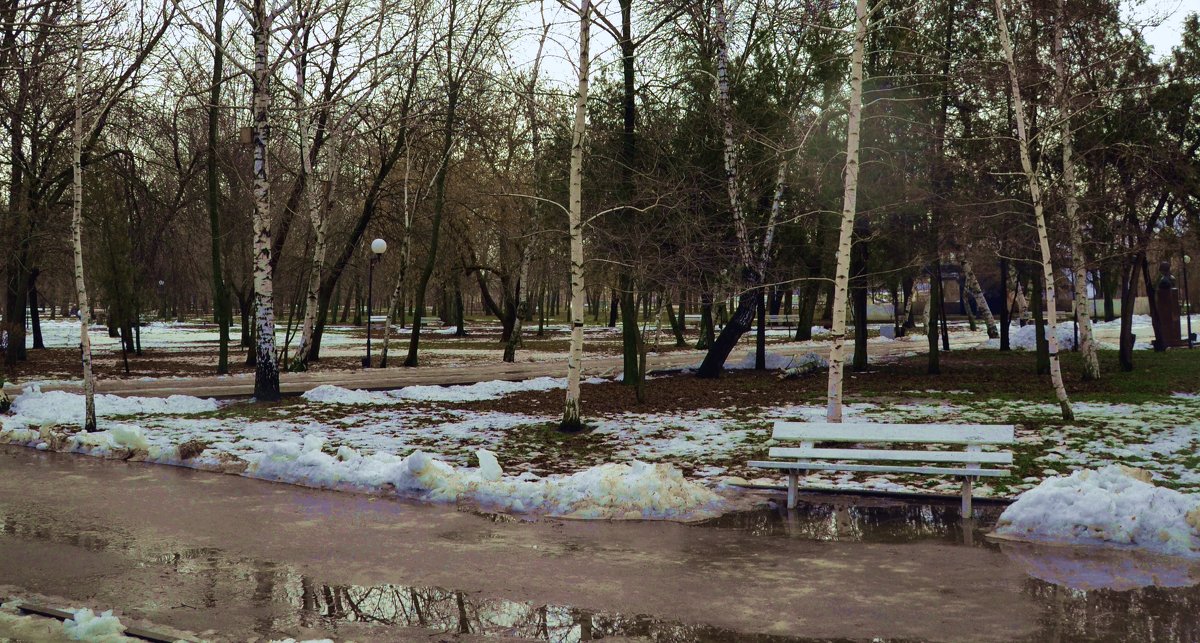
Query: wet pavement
x,y
231,558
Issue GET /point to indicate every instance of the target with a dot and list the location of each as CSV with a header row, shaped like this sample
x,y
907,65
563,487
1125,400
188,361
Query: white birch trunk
x,y
85,341
980,301
316,197
266,377
1087,345
571,410
841,275
1035,193
730,149
1019,300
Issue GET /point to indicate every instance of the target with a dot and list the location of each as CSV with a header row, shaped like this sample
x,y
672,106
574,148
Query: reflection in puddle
x,y
834,518
455,612
1080,595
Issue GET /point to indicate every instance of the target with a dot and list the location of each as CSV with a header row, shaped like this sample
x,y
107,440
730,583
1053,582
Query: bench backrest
x,y
907,433
974,436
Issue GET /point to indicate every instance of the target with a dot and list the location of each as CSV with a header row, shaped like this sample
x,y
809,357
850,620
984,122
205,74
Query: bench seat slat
x,y
868,432
897,455
821,466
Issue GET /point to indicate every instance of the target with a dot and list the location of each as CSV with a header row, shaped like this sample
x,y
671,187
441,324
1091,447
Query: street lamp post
x,y
162,306
1187,298
378,247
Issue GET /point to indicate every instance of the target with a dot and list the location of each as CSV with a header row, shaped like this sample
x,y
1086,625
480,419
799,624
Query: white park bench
x,y
808,457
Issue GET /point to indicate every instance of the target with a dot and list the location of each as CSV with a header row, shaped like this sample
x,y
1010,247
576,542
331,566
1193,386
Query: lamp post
x,y
162,306
1187,298
378,247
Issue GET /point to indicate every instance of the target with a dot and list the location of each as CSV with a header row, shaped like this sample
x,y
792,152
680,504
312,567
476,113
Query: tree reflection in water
x,y
863,519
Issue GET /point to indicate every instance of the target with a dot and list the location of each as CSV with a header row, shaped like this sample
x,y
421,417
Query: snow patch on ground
x,y
1108,507
490,390
35,407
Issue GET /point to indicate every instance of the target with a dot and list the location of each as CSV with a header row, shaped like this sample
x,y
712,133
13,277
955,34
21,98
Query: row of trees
x,y
242,155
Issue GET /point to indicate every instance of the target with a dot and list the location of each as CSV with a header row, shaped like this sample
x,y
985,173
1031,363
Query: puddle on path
x,y
1081,595
855,518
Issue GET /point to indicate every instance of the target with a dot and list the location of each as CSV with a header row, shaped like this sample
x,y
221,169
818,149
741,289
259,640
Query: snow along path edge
x,y
634,491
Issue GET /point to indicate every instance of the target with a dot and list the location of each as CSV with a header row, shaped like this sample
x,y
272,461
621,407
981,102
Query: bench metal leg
x,y
966,496
793,483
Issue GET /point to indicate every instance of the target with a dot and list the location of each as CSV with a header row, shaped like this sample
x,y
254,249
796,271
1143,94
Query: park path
x,y
244,558
242,385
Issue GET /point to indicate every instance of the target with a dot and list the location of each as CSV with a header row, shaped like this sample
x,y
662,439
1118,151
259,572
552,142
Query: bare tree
x,y
841,274
1035,193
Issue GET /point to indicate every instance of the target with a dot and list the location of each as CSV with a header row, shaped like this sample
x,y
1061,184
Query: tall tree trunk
x,y
630,334
841,274
751,268
932,314
85,341
1035,194
571,420
266,373
221,303
1087,346
1128,299
439,207
1005,322
35,323
976,292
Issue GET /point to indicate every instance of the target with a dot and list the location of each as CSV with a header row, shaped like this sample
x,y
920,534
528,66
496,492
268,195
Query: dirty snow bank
x,y
84,625
636,490
34,407
1109,506
480,391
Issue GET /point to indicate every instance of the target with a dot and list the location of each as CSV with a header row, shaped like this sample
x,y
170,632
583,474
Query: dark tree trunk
x,y
221,302
1128,298
439,207
677,322
1004,315
1039,318
614,305
760,346
934,366
35,323
738,325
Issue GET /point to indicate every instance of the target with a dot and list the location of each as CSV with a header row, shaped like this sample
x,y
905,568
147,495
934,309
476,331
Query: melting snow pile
x,y
34,407
636,490
88,626
490,390
1024,338
1109,506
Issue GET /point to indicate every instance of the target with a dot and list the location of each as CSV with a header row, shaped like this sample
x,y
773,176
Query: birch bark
x,y
266,374
1035,193
841,275
980,301
571,410
85,341
1087,345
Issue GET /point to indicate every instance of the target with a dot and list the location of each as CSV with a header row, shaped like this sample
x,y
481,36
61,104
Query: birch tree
x,y
976,292
85,341
1087,345
266,372
1035,194
571,410
841,275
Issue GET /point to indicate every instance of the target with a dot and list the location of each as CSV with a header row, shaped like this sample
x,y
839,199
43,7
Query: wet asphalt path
x,y
235,558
